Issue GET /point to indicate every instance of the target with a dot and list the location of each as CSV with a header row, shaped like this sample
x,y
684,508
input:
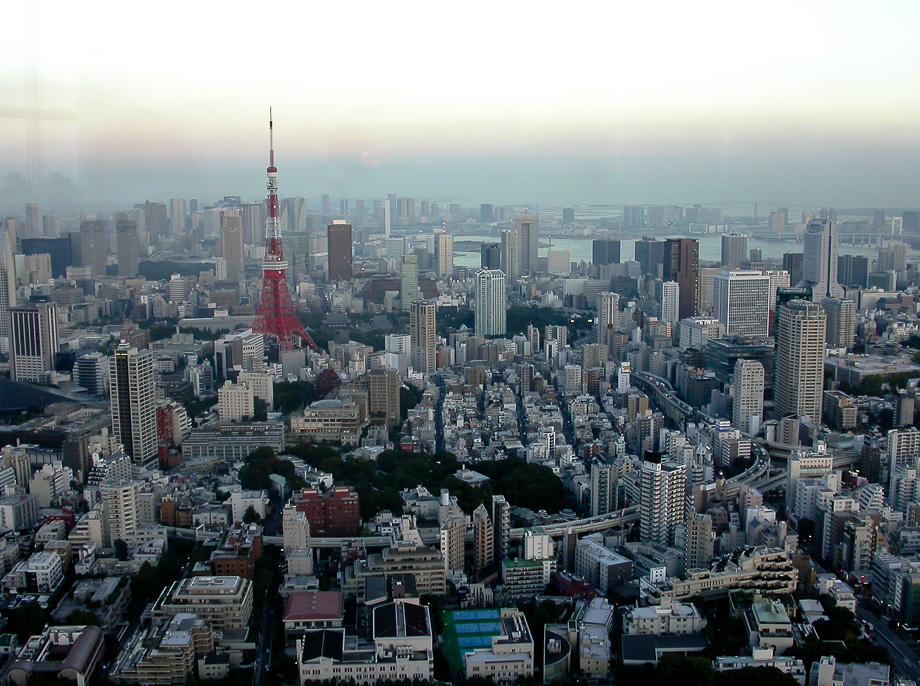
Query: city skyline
x,y
641,119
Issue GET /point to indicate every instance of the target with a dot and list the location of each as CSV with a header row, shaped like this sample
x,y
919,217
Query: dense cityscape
x,y
396,441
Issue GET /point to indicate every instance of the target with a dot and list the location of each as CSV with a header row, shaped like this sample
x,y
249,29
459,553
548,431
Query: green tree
x,y
28,620
81,617
121,549
251,517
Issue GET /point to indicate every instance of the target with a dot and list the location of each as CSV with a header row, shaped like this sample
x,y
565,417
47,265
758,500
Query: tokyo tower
x,y
275,316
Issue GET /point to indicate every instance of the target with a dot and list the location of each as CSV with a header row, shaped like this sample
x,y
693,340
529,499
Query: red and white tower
x,y
275,316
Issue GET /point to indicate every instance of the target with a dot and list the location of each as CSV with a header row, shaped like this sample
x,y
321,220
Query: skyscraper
x,y
490,302
33,341
383,395
608,309
424,333
490,256
841,321
408,289
126,242
133,403
801,330
7,288
747,385
681,263
444,253
602,488
670,303
177,216
231,243
742,302
486,214
527,227
605,251
819,266
93,245
734,249
155,222
340,252
662,500
483,541
649,255
511,256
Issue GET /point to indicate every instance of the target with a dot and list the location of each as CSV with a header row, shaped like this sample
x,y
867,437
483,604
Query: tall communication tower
x,y
275,316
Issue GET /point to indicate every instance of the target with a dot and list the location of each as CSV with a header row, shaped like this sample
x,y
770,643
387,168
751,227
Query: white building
x,y
747,387
662,503
695,331
490,302
742,302
670,302
133,403
41,573
235,402
33,341
241,501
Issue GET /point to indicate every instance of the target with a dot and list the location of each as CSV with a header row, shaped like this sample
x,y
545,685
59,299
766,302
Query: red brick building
x,y
334,513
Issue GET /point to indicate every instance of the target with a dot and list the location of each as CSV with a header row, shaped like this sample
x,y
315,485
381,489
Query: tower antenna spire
x,y
271,139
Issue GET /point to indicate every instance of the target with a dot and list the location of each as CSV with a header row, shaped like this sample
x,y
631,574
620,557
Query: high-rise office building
x,y
819,266
747,387
801,330
486,213
681,263
383,395
155,222
490,256
568,215
662,500
527,227
7,288
423,330
33,227
340,252
670,303
841,322
132,392
326,206
408,286
231,243
605,251
91,371
559,261
734,249
742,302
602,488
649,254
633,216
33,341
93,246
511,256
177,216
792,263
608,310
444,253
126,242
490,302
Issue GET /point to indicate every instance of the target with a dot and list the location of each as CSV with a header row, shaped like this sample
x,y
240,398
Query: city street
x,y
904,660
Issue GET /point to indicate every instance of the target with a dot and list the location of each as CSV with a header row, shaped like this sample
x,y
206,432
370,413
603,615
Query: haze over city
x,y
715,103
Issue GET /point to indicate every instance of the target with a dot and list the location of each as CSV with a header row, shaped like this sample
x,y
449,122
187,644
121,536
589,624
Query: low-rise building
x,y
311,610
42,573
335,420
828,672
526,578
63,652
511,656
670,617
165,654
225,602
767,624
762,657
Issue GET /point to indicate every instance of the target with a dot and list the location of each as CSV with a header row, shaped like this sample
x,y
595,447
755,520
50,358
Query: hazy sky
x,y
811,103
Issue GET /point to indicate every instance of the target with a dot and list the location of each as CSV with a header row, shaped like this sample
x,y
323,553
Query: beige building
x,y
235,402
165,654
511,656
225,602
332,420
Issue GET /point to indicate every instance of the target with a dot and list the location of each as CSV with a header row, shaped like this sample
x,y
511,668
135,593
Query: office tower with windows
x,y
681,263
527,227
444,253
383,395
423,330
91,371
649,254
742,301
132,391
231,243
490,256
670,303
490,302
486,213
93,246
408,284
841,322
511,256
608,310
792,263
819,266
126,241
734,249
177,216
801,331
340,251
747,387
7,288
605,251
33,341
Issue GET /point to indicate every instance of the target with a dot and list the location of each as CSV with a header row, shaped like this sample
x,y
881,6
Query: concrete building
x,y
33,341
819,266
601,567
670,617
224,602
235,402
748,389
662,503
801,331
336,420
742,302
511,656
734,249
490,299
133,403
424,336
126,239
231,243
340,267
